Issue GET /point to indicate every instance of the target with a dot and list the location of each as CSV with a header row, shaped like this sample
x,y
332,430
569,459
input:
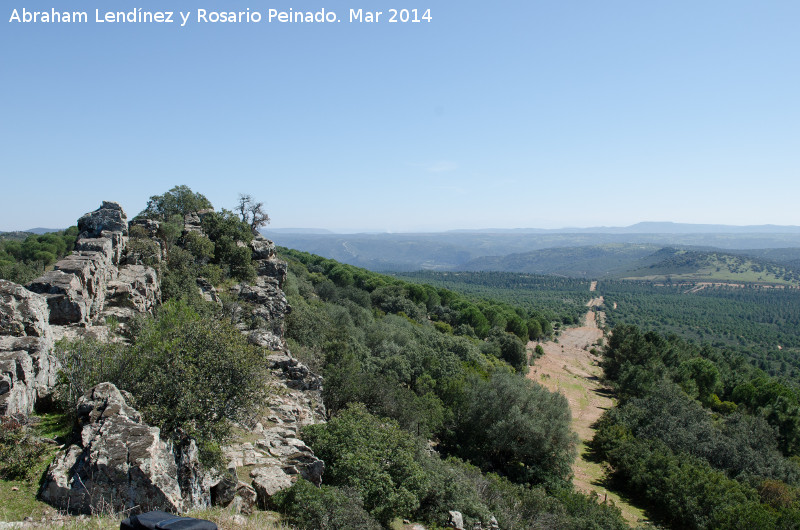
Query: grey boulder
x,y
118,463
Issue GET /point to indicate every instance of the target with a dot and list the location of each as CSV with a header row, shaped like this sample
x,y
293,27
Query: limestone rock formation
x,y
108,218
67,299
267,301
296,374
208,291
265,339
195,483
108,222
278,458
273,268
27,368
262,248
118,463
75,289
136,289
150,226
270,268
22,313
192,223
27,373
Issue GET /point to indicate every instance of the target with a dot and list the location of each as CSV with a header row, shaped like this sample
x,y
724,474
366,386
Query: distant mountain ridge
x,y
297,231
649,227
644,227
39,231
453,251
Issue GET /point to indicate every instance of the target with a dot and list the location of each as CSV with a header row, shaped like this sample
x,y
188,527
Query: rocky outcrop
x,y
75,289
273,268
193,222
22,313
93,281
266,303
296,375
107,222
27,373
27,367
136,289
268,265
262,248
456,520
194,481
278,457
118,463
266,339
208,291
67,299
108,218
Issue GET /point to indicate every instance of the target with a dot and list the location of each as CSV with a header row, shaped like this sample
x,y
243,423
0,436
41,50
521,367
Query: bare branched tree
x,y
252,212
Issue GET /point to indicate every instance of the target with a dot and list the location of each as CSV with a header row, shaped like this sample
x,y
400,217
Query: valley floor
x,y
569,367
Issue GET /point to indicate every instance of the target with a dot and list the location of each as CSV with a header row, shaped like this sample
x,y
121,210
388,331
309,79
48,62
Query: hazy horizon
x,y
310,230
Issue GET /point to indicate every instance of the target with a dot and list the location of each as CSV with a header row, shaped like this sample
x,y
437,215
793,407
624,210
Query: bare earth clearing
x,y
568,366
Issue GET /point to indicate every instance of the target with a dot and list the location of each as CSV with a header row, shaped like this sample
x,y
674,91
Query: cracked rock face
x,y
262,248
22,313
108,218
278,457
76,289
117,464
27,368
27,373
135,290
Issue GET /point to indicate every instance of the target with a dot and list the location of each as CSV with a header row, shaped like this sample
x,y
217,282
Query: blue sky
x,y
495,114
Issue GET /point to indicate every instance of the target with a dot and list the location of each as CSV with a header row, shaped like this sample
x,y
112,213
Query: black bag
x,y
165,521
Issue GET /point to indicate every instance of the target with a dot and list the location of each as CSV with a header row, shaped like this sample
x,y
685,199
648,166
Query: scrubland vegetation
x,y
761,323
428,407
699,436
22,261
409,365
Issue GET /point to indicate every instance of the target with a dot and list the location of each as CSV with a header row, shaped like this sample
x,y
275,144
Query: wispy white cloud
x,y
453,189
441,166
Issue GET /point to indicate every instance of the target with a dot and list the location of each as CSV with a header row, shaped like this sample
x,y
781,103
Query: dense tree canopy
x,y
22,261
180,200
699,436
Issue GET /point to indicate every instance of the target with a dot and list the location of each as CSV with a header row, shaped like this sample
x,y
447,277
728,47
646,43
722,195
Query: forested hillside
x,y
562,300
183,314
23,257
437,366
761,323
709,265
699,436
597,261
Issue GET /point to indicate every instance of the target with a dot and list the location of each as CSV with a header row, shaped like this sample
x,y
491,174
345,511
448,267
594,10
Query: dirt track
x,y
569,367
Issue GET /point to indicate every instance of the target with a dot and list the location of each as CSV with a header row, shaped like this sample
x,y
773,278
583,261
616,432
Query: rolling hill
x,y
458,250
693,265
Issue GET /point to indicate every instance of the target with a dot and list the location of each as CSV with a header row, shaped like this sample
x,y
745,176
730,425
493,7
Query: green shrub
x,y
326,507
375,457
190,374
85,363
511,425
20,450
193,374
